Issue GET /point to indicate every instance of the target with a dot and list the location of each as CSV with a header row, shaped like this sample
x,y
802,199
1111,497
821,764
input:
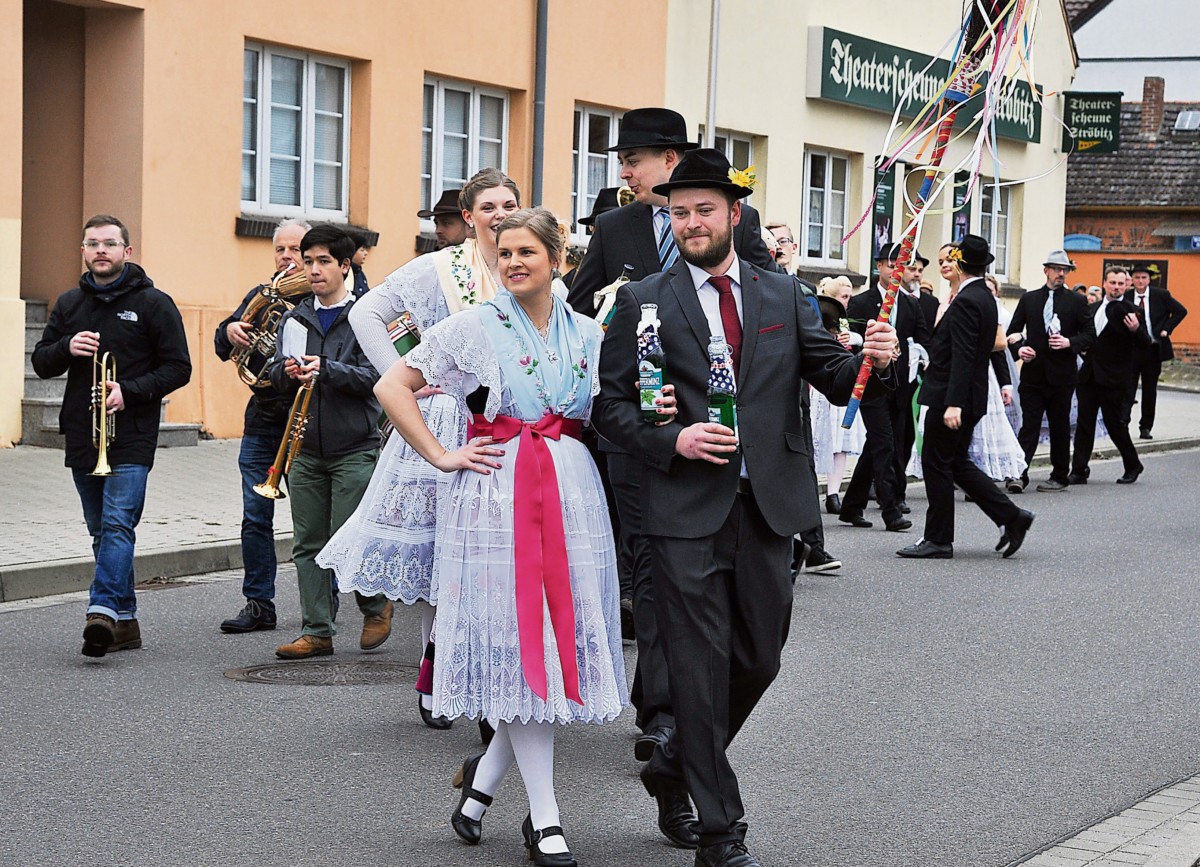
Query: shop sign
x,y
1093,122
857,71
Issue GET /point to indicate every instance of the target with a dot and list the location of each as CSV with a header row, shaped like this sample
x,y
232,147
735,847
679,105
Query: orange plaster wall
x,y
1184,282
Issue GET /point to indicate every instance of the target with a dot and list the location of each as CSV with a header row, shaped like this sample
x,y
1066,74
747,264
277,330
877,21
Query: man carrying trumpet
x,y
115,310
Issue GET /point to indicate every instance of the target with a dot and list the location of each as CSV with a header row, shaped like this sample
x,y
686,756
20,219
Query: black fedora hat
x,y
1143,268
832,311
974,252
891,253
606,200
703,168
653,128
447,204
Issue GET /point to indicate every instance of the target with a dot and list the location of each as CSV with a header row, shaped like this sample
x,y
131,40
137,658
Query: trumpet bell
x,y
271,492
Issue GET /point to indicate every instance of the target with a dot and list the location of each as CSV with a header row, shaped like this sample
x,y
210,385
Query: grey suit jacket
x,y
783,345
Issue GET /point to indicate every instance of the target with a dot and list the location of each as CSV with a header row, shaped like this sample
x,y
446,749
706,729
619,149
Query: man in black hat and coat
x,y
1160,315
956,392
720,520
448,222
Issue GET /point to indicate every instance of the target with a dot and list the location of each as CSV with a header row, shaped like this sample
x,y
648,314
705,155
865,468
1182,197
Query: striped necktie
x,y
667,251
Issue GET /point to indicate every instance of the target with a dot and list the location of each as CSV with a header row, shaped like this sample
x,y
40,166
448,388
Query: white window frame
x,y
826,225
437,132
262,205
580,206
1002,248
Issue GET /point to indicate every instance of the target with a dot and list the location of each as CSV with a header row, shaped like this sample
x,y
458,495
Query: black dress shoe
x,y
536,855
1077,479
1144,434
644,746
904,508
675,817
1130,476
855,519
899,525
1014,533
627,633
731,854
833,504
468,829
926,550
1052,486
252,617
440,723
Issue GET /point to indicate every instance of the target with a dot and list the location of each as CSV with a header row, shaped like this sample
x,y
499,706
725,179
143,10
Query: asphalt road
x,y
952,713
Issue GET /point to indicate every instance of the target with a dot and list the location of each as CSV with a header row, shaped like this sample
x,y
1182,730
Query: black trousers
x,y
904,431
1095,399
877,462
1053,402
946,462
724,608
1148,368
650,694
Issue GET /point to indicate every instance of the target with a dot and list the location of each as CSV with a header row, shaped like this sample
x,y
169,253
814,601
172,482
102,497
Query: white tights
x,y
833,481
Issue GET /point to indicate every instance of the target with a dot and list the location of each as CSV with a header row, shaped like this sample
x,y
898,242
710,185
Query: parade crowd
x,y
483,437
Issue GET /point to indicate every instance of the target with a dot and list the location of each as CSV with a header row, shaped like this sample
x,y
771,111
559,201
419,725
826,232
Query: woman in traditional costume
x,y
387,545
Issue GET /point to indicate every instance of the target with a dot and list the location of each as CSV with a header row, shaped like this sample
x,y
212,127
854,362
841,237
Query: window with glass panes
x,y
295,132
464,129
993,223
594,168
826,181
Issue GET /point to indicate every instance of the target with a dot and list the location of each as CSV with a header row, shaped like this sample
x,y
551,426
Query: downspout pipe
x,y
539,102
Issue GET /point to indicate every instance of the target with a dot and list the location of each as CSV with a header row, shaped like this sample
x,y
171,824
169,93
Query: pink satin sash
x,y
540,545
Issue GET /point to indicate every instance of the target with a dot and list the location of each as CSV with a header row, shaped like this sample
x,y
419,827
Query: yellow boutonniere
x,y
745,178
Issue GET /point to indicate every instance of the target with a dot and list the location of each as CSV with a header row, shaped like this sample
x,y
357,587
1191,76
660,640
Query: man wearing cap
x,y
1048,331
1160,315
650,145
448,222
889,423
720,520
956,392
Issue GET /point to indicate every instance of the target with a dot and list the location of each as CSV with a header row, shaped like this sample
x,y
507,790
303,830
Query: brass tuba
x,y
625,196
264,314
104,370
293,437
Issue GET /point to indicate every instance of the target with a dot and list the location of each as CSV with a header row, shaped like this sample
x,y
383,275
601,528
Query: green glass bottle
x,y
722,388
651,363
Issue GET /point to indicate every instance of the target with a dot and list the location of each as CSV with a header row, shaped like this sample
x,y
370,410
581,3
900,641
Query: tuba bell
x,y
264,314
625,196
104,370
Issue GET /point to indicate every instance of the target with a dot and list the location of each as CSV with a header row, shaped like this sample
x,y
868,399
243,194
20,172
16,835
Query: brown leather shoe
x,y
127,636
376,628
306,646
98,634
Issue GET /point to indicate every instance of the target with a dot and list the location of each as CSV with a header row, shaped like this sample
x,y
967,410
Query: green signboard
x,y
858,71
1093,122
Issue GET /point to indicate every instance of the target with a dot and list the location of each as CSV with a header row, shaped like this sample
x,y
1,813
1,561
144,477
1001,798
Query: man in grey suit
x,y
719,508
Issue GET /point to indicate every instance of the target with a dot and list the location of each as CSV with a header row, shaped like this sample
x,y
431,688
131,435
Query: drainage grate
x,y
326,673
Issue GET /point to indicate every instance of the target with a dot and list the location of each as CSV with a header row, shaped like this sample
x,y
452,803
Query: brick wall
x,y
1121,233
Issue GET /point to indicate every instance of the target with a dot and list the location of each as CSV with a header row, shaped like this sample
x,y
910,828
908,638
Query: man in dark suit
x,y
1056,329
650,145
889,422
720,521
956,392
1106,375
1160,315
913,272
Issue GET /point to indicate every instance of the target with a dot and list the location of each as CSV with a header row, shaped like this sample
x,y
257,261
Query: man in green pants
x,y
341,440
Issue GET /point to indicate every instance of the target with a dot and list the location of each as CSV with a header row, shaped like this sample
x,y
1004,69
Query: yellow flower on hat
x,y
955,254
744,178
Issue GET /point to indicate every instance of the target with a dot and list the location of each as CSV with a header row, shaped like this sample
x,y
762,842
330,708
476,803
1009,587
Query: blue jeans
x,y
112,507
258,516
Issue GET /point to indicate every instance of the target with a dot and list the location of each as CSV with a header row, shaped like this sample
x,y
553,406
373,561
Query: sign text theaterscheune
x,y
1093,122
858,71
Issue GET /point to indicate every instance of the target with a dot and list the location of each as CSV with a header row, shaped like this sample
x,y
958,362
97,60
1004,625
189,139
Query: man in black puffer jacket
x,y
116,309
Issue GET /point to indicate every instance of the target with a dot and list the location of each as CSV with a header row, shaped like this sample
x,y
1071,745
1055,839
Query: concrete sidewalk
x,y
192,519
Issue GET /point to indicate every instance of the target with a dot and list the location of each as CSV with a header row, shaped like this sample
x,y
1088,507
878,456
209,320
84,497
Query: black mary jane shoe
x,y
536,855
440,723
833,504
486,732
469,830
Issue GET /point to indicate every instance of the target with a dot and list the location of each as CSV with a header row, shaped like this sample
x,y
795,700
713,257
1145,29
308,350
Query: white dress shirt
x,y
710,298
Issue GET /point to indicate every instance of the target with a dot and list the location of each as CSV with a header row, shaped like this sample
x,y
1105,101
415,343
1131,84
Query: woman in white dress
x,y
832,443
525,577
387,545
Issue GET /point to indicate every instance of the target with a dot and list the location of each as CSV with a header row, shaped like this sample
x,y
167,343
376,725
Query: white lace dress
x,y
387,545
829,437
477,671
994,447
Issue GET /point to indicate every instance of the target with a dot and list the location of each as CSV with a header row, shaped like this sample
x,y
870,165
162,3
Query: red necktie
x,y
729,317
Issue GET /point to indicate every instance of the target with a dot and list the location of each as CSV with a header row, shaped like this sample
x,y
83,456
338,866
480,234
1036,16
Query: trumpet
x,y
264,314
293,437
625,196
104,370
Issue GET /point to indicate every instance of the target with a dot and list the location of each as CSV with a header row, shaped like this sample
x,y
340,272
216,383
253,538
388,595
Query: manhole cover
x,y
326,673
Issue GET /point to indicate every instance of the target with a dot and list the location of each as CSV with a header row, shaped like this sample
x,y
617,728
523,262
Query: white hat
x,y
1060,259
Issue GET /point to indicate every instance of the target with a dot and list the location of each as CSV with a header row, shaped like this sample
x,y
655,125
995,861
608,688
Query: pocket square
x,y
770,328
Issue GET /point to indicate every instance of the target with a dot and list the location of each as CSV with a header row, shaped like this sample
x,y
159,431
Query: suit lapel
x,y
751,314
689,302
645,237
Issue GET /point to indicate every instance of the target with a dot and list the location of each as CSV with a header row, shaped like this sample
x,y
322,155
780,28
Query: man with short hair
x,y
341,439
720,521
117,310
1160,315
449,224
1048,331
262,431
786,257
1106,375
914,272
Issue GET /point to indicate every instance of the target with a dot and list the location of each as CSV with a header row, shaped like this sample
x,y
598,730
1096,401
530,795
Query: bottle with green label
x,y
651,363
722,388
